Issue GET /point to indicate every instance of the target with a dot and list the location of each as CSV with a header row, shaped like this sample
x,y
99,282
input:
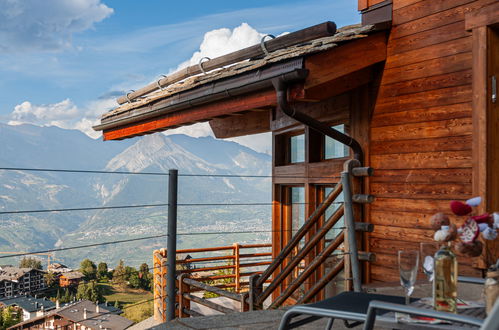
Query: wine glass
x,y
408,268
428,250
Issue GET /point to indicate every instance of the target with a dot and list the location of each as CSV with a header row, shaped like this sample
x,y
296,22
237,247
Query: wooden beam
x,y
336,87
203,112
488,15
341,61
243,124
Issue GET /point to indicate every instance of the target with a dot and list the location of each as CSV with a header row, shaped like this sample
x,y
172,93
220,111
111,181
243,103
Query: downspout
x,y
281,88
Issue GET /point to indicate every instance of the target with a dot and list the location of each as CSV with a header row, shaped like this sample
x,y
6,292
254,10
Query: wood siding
x,y
421,130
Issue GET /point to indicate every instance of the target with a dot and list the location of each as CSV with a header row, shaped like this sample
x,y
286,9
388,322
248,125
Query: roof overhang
x,y
317,76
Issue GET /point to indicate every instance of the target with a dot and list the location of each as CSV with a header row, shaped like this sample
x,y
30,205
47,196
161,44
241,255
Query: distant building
x,y
70,279
18,281
80,315
31,306
58,268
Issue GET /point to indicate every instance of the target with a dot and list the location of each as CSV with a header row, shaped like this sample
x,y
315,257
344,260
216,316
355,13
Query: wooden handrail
x,y
322,282
295,240
212,289
208,303
309,245
309,269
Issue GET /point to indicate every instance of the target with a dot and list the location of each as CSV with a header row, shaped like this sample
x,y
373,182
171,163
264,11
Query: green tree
x,y
135,281
8,318
67,296
145,277
119,274
129,271
116,304
102,270
89,291
50,279
28,262
58,296
144,268
89,269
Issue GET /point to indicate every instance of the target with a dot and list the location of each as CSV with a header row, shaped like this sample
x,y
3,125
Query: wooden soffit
x,y
341,69
194,115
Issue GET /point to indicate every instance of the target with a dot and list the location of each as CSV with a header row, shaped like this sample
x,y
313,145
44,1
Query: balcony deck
x,y
270,319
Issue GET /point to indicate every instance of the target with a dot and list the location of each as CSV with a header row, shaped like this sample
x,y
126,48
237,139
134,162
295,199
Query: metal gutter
x,y
252,81
281,87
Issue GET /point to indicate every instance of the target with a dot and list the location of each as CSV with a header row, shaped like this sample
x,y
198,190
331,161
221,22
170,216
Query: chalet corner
x,y
410,93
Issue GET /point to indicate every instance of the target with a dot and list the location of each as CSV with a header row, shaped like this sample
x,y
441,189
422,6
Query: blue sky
x,y
62,61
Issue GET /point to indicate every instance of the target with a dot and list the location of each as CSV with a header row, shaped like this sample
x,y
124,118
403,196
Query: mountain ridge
x,y
25,190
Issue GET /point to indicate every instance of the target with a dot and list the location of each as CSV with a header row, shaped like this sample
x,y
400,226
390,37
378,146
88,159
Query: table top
x,y
389,320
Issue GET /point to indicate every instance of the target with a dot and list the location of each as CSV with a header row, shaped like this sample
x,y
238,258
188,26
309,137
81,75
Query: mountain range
x,y
197,159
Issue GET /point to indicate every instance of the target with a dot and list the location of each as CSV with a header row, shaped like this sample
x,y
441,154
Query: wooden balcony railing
x,y
212,268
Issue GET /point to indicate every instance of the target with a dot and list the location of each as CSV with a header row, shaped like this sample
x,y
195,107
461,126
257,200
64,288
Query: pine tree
x,y
119,274
67,297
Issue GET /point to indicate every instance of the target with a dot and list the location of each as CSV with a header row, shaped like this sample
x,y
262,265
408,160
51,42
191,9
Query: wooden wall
x,y
421,133
364,4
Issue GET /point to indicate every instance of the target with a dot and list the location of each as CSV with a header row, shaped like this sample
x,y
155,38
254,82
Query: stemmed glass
x,y
428,251
408,268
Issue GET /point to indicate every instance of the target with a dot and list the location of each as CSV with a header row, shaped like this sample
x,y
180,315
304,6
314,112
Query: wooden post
x,y
254,292
237,270
244,302
183,303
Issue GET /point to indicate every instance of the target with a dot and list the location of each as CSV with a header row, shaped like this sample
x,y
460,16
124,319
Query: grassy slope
x,y
135,303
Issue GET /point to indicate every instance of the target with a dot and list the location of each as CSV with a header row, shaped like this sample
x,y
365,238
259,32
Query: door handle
x,y
494,89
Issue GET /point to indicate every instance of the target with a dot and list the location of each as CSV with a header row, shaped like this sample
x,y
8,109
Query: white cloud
x,y
27,25
64,114
195,130
30,112
223,41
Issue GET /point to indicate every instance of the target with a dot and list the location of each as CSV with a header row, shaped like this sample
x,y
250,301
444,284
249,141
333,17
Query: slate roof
x,y
14,273
72,275
344,34
28,303
74,312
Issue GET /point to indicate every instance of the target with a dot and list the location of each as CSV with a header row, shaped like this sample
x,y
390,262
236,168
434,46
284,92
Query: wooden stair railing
x,y
258,294
288,249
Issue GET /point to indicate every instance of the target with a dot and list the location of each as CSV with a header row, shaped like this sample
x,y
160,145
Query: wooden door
x,y
492,133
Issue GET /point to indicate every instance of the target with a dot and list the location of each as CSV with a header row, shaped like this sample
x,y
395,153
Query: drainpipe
x,y
281,87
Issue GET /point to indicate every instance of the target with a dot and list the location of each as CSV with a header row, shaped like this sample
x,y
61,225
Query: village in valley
x,y
32,295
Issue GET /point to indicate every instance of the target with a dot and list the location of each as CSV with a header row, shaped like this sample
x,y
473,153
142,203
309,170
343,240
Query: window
x,y
297,148
297,208
336,230
334,149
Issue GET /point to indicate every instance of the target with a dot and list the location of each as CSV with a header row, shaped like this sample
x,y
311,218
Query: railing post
x,y
183,303
244,302
237,270
350,225
254,292
171,250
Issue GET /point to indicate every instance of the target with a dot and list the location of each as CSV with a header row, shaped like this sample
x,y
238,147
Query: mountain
x,y
50,147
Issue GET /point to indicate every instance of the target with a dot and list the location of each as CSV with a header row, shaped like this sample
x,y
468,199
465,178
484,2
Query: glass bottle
x,y
491,289
445,281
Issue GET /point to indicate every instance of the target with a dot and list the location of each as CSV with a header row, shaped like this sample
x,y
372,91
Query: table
x,y
388,319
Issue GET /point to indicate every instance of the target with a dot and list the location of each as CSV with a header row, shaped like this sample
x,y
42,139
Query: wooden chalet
x,y
69,279
411,92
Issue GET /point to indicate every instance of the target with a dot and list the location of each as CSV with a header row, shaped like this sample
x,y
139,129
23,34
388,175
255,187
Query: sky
x,y
64,62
